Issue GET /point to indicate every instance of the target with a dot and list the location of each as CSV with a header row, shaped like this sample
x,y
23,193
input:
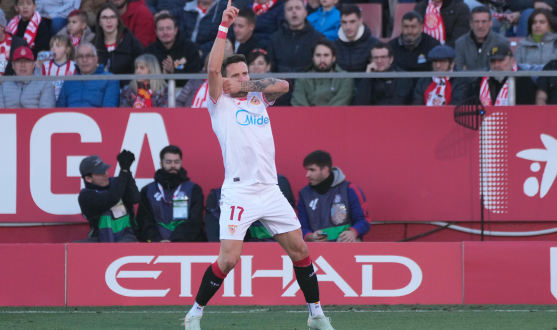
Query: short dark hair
x,y
350,8
411,15
170,150
249,15
254,55
548,15
236,58
16,1
162,16
382,45
324,42
81,14
480,9
320,158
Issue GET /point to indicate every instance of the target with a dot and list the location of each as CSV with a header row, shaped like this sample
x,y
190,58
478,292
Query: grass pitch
x,y
415,317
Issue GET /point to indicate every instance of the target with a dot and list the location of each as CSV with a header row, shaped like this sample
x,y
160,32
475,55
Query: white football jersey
x,y
244,131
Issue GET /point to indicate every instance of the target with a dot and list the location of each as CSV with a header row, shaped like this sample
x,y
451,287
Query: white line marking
x,y
267,310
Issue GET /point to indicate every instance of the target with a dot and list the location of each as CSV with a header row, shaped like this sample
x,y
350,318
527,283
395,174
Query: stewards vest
x,y
329,212
162,206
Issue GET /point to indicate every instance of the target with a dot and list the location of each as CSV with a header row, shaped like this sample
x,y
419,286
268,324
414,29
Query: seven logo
x,y
549,155
313,204
244,118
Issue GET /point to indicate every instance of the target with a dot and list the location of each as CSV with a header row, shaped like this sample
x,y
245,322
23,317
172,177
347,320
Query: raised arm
x,y
272,88
217,53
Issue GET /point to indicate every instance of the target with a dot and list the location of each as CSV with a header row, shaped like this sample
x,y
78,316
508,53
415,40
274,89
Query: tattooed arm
x,y
271,87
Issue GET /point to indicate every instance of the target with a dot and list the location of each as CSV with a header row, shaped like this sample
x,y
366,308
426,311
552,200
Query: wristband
x,y
221,35
223,28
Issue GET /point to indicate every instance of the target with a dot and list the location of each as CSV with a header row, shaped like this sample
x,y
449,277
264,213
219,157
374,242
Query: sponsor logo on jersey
x,y
244,118
255,101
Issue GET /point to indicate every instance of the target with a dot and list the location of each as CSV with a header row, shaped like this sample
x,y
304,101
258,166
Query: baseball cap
x,y
23,52
499,52
441,52
2,18
92,164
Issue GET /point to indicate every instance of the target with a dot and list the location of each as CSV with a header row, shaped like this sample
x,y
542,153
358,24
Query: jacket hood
x,y
339,176
363,34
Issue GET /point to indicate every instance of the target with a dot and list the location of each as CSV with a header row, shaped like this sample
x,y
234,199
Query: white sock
x,y
196,310
315,309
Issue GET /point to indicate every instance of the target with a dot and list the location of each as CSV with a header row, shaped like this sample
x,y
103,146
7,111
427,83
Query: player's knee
x,y
228,263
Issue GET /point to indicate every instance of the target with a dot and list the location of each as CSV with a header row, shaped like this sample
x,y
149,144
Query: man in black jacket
x,y
384,91
245,42
107,203
171,207
7,53
455,16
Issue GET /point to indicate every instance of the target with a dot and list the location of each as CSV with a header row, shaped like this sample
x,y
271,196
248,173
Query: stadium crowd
x,y
102,37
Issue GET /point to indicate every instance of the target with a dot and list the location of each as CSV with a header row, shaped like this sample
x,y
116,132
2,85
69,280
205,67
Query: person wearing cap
x,y
26,94
107,203
437,91
8,44
495,90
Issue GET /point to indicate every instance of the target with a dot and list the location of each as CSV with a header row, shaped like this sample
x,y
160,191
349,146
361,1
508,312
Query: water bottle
x,y
45,55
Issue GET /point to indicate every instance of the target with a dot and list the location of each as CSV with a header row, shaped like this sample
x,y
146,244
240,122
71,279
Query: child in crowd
x,y
77,29
63,62
326,19
30,26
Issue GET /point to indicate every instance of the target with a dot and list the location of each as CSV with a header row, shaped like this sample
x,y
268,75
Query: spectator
x,y
156,6
494,90
472,48
384,91
354,40
512,15
107,203
331,208
199,21
91,7
243,32
258,61
547,86
445,20
326,19
312,6
440,90
138,19
323,92
116,45
411,47
147,93
8,44
194,93
77,29
540,46
270,17
58,11
30,26
8,7
171,207
26,94
89,93
175,53
62,64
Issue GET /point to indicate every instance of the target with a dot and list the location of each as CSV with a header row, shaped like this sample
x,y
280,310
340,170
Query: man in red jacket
x,y
138,18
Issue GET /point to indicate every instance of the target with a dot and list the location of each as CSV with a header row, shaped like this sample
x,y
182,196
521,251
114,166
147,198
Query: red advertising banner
x,y
348,273
413,163
32,274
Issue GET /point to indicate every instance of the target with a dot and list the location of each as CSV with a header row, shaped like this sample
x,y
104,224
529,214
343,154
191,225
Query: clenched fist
x,y
230,86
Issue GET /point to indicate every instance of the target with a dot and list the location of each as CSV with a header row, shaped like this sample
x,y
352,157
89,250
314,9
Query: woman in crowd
x,y
540,46
145,93
258,61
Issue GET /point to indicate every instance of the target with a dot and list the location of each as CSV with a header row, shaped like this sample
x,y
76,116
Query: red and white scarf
x,y
261,9
439,92
502,97
433,22
30,32
200,98
5,47
143,98
75,40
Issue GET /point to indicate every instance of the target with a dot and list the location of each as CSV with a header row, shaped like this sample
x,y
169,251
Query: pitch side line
x,y
267,311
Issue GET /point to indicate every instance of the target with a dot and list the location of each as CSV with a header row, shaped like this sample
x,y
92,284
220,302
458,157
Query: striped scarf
x,y
433,22
261,9
5,47
439,92
502,97
75,40
30,32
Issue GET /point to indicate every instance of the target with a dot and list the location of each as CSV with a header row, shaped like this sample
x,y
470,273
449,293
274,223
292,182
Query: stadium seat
x,y
401,9
514,42
372,14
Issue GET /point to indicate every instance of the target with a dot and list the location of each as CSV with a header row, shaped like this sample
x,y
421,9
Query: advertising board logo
x,y
244,118
549,156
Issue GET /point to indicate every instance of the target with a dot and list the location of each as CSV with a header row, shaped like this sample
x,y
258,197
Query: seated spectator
x,y
58,11
495,90
77,29
138,19
384,91
270,15
30,26
117,47
445,20
194,93
312,6
472,48
323,92
547,86
171,207
540,46
326,19
26,94
412,46
258,61
91,7
62,64
107,203
244,25
175,53
89,93
156,6
440,90
331,209
354,40
512,15
148,93
199,22
8,44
